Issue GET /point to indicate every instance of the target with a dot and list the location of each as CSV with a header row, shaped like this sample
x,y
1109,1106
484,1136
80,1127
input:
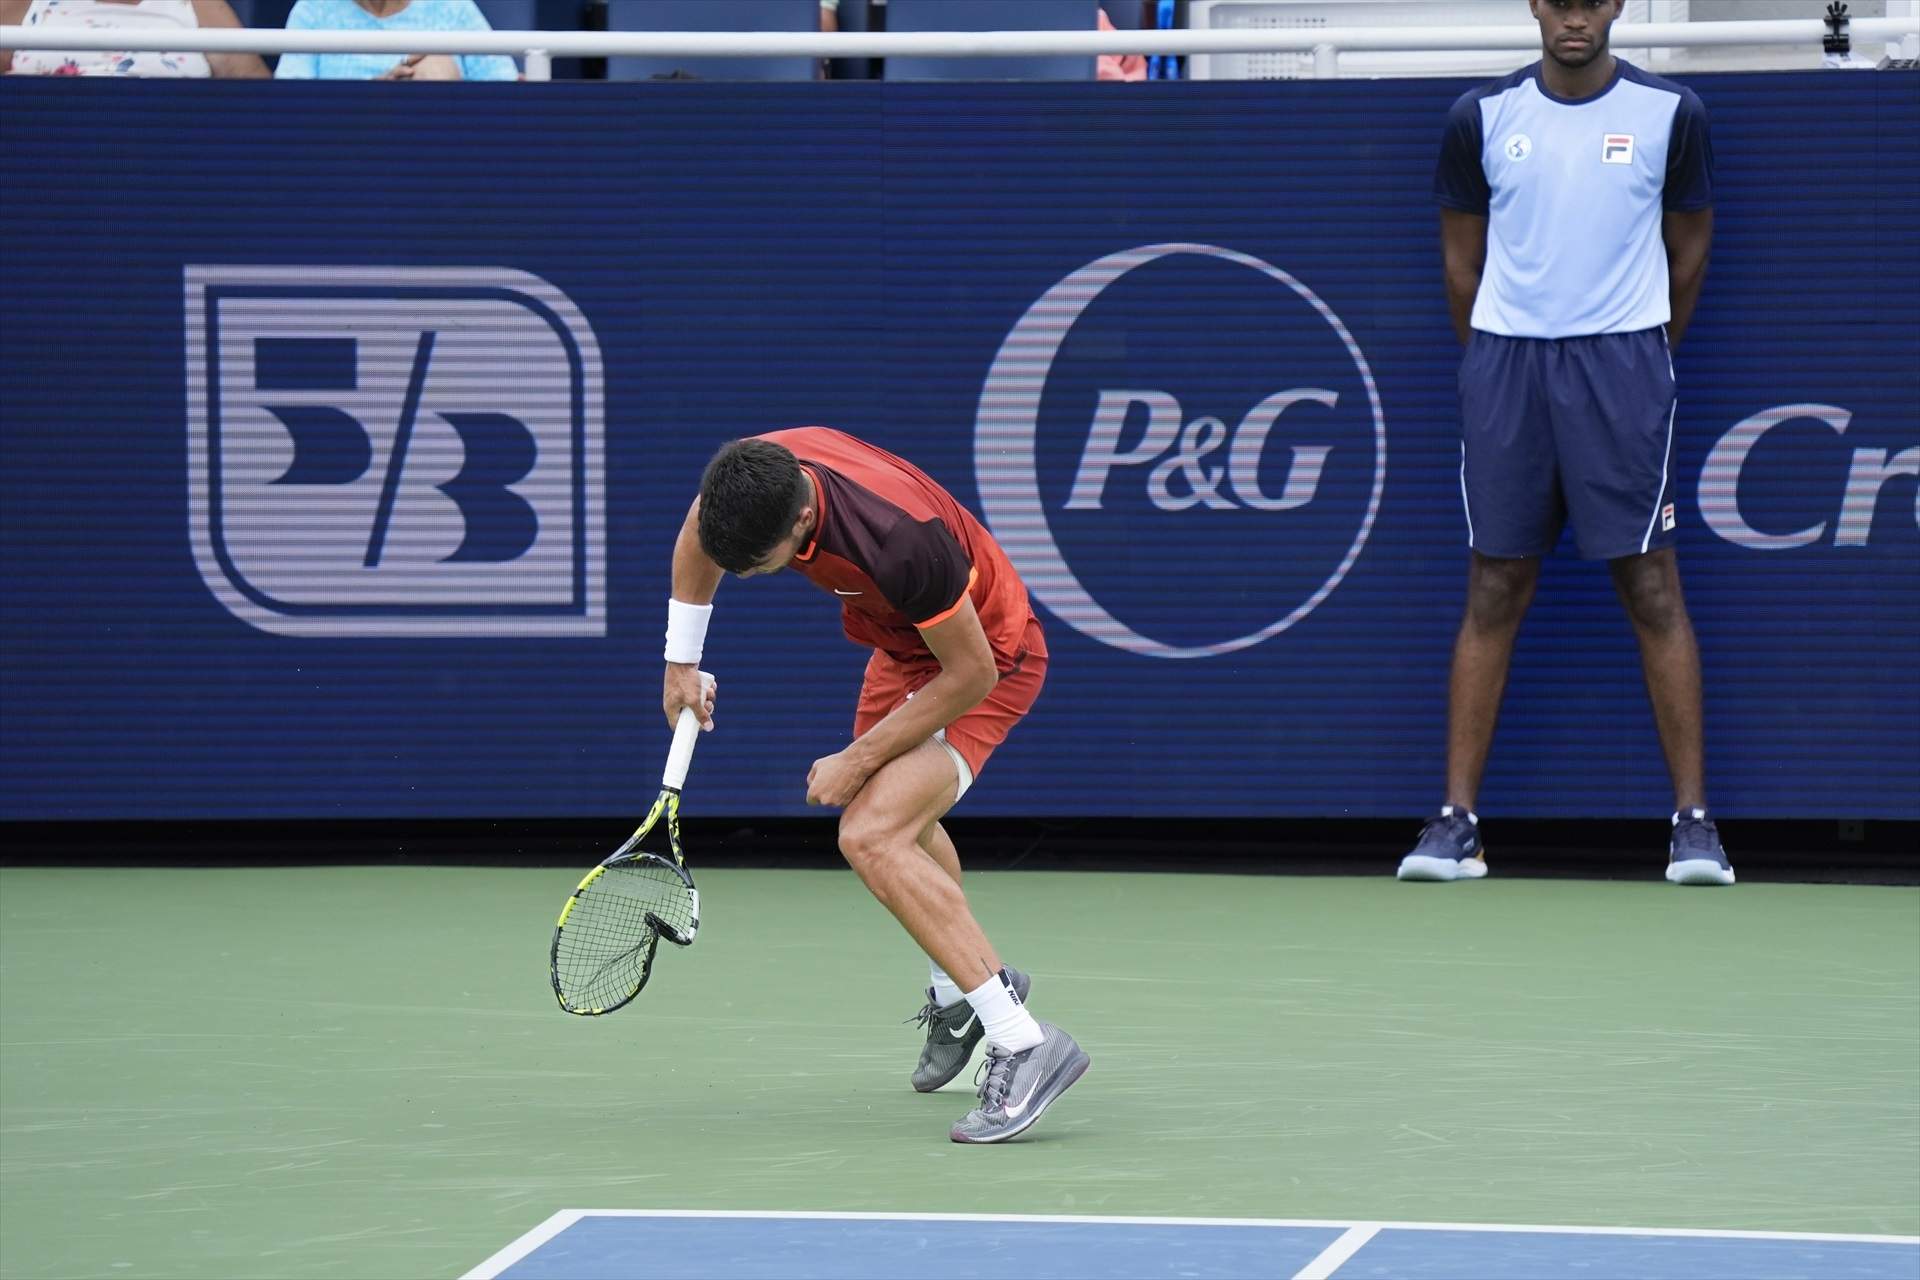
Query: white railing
x,y
1325,43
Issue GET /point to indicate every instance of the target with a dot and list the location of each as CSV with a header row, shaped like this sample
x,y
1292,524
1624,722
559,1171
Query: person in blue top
x,y
1576,210
391,15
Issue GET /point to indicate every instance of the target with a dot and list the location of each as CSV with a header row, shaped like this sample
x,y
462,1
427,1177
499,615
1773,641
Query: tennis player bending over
x,y
958,659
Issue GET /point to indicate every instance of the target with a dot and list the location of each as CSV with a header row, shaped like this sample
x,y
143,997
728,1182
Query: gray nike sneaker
x,y
951,1034
1020,1086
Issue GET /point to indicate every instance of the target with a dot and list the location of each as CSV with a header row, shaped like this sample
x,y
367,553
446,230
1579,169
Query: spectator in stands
x,y
829,23
391,15
1118,66
128,15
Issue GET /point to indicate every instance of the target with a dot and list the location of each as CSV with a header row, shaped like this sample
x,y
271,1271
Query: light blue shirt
x,y
421,15
1574,193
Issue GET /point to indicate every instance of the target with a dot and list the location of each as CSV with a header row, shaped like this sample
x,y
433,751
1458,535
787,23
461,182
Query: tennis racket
x,y
611,926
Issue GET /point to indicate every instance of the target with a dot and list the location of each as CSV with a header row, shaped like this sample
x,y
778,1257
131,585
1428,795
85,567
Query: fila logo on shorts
x,y
395,451
1616,148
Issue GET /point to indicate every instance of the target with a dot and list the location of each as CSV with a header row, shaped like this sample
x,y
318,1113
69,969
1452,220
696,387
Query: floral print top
x,y
147,15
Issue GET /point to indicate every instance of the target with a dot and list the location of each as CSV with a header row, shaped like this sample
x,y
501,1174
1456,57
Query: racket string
x,y
603,953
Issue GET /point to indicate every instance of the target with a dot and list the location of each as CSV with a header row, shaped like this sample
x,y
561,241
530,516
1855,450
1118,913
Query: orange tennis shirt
x,y
900,553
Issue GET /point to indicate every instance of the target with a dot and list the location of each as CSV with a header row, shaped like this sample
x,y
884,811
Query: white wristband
x,y
686,630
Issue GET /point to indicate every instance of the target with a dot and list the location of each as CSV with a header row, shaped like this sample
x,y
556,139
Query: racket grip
x,y
686,731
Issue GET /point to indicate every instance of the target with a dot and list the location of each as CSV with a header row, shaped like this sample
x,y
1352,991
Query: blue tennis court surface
x,y
604,1245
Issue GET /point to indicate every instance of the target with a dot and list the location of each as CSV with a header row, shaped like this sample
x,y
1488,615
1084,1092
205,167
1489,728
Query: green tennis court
x,y
360,1070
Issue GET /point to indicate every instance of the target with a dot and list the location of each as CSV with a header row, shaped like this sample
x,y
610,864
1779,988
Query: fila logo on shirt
x,y
1251,435
395,451
1616,148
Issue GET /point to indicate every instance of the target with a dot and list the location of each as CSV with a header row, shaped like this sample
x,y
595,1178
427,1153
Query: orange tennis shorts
x,y
889,684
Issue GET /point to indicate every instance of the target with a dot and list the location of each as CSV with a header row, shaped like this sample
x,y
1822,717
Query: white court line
x,y
567,1217
527,1243
1338,1252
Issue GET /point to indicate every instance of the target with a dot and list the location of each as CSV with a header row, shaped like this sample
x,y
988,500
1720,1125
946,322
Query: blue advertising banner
x,y
347,429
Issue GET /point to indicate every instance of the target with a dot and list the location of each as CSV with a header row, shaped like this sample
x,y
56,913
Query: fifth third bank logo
x,y
379,451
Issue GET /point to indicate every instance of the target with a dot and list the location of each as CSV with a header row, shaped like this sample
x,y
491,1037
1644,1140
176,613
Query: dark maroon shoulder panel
x,y
918,565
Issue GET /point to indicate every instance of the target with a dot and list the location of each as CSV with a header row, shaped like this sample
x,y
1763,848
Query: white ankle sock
x,y
945,990
1006,1021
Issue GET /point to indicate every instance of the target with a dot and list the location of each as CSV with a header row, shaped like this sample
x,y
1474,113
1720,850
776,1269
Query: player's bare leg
x,y
943,993
952,1029
1649,587
1029,1063
939,846
1498,593
880,839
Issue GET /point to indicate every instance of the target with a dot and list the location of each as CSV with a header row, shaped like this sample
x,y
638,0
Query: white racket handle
x,y
686,731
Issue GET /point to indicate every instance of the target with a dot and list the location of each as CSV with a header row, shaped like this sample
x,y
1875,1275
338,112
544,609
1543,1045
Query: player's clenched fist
x,y
835,780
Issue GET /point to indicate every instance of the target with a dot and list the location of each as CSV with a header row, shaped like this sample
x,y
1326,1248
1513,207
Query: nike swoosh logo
x,y
1014,1112
959,1033
837,591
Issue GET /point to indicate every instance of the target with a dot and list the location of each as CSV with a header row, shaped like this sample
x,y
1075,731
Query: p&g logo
x,y
1190,448
1214,531
383,451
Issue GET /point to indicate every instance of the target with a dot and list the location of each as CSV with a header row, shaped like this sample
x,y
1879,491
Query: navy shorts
x,y
1554,429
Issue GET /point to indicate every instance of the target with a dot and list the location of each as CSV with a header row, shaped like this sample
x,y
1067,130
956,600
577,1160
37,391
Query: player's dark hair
x,y
751,495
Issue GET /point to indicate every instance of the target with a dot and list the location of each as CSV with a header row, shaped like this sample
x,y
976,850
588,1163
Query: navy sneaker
x,y
1694,855
1449,848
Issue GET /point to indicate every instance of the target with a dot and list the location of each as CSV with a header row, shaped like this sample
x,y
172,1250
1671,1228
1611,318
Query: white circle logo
x,y
1007,470
1519,147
